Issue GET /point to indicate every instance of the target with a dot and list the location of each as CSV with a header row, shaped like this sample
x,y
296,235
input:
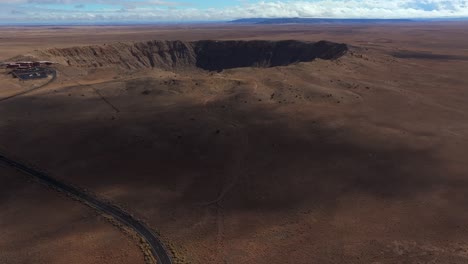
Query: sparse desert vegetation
x,y
356,158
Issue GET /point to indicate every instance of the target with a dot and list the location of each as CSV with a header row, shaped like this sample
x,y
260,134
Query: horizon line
x,y
188,22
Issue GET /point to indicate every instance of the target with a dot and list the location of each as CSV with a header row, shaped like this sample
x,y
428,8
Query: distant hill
x,y
297,20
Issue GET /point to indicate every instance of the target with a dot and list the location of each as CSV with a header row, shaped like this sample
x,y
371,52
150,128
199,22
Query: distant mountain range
x,y
298,20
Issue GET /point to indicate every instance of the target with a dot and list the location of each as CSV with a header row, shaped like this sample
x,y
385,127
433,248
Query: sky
x,y
108,11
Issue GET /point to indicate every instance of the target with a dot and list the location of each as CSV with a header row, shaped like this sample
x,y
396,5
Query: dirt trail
x,y
54,76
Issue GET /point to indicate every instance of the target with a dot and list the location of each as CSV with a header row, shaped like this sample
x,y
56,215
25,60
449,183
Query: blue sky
x,y
95,11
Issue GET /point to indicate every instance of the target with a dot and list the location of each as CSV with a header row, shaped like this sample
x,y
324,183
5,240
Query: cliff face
x,y
163,54
213,55
207,55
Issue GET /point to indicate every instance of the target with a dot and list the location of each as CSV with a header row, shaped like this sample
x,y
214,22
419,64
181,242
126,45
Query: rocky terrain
x,y
207,55
241,155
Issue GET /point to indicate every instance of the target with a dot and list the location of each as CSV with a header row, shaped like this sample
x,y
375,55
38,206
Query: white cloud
x,y
152,10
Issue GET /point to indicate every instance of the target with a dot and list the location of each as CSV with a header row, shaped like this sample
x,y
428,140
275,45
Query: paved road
x,y
54,76
157,248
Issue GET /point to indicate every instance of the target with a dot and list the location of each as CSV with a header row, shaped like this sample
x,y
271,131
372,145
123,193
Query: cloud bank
x,y
160,10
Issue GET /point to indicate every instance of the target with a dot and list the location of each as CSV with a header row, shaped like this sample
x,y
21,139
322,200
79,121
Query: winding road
x,y
158,250
54,76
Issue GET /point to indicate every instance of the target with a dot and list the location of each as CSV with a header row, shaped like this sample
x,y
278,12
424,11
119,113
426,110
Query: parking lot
x,y
33,73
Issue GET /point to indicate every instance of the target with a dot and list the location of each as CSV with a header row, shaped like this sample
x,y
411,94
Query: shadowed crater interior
x,y
219,55
206,54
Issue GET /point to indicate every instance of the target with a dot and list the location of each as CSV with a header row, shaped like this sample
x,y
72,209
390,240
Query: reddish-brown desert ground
x,y
360,159
41,226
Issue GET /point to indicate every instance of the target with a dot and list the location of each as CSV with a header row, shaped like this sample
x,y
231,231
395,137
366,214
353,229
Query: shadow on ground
x,y
249,156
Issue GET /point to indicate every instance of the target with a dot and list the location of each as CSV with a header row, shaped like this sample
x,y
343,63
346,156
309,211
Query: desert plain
x,y
360,158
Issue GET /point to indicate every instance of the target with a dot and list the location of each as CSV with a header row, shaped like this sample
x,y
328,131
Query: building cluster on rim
x,y
24,65
29,70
